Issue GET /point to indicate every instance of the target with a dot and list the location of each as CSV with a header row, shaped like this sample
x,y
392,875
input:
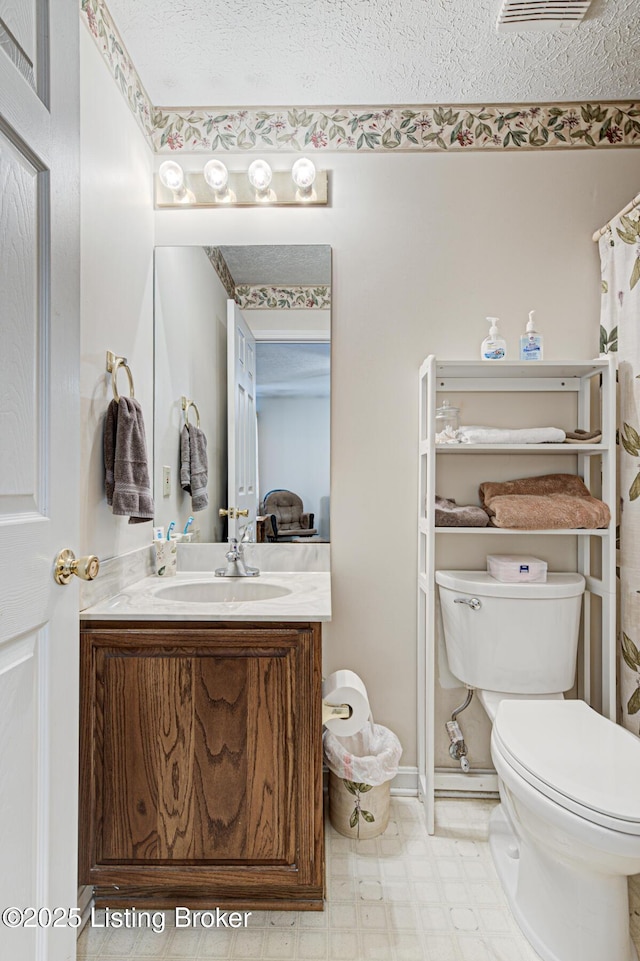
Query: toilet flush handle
x,y
473,602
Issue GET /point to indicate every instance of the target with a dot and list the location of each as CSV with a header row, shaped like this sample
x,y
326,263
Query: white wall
x,y
294,453
116,286
190,359
424,247
290,321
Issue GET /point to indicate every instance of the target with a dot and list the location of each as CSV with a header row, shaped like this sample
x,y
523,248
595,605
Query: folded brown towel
x,y
549,512
549,502
544,484
450,514
579,436
194,469
127,483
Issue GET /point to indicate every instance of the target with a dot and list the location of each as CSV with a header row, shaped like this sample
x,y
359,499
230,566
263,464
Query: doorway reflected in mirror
x,y
293,404
276,434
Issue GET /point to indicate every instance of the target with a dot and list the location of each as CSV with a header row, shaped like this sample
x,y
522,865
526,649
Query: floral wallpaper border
x,y
219,264
99,22
265,296
283,298
361,129
421,128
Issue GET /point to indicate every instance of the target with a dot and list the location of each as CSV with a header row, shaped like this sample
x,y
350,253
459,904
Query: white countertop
x,y
308,599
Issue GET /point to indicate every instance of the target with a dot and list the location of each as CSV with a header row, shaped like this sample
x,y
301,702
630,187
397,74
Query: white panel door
x,y
39,455
241,421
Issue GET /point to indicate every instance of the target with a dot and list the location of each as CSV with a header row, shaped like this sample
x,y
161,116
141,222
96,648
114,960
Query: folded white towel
x,y
516,435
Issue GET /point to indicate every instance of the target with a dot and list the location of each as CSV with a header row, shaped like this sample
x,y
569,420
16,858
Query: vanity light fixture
x,y
214,185
171,175
303,174
260,176
217,176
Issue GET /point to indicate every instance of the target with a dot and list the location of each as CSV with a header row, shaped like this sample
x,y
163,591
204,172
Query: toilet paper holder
x,y
345,703
332,711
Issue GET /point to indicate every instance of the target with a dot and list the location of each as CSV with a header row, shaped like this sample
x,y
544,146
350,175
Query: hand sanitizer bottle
x,y
531,341
493,347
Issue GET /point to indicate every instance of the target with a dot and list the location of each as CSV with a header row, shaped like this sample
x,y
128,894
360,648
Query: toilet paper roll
x,y
345,687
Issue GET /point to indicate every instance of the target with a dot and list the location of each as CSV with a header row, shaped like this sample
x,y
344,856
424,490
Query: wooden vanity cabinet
x,y
201,764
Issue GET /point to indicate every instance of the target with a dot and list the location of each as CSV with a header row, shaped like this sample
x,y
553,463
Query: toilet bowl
x,y
567,832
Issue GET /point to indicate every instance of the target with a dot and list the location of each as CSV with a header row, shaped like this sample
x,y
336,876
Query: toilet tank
x,y
515,638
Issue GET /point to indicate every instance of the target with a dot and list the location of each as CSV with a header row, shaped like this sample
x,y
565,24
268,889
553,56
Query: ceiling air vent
x,y
521,15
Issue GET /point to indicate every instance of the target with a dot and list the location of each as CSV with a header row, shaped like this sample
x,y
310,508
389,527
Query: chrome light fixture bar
x,y
259,185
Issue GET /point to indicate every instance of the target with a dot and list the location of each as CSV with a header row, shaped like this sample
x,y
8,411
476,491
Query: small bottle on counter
x,y
493,347
531,341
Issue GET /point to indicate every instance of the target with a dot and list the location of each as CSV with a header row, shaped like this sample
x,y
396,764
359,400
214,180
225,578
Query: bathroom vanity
x,y
201,745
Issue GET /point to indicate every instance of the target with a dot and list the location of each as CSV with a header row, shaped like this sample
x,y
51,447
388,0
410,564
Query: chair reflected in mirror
x,y
285,518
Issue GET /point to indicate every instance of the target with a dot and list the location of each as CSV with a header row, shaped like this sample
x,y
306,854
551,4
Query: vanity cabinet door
x,y
201,761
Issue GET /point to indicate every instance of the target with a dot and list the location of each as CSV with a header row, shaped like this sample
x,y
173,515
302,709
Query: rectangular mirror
x,y
243,333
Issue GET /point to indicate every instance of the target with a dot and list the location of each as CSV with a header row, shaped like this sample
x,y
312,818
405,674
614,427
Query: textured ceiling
x,y
279,266
286,370
330,52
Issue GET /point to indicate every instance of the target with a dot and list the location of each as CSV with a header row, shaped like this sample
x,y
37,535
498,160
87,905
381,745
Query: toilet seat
x,y
575,757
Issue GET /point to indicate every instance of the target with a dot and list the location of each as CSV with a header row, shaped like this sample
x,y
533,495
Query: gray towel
x,y
193,466
450,514
127,483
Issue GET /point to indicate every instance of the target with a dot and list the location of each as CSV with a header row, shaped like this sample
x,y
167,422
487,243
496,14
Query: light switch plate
x,y
166,481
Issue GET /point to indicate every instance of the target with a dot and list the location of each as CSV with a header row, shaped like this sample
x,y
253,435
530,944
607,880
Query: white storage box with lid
x,y
517,568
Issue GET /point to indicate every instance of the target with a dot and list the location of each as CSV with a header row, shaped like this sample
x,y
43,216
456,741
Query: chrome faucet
x,y
236,566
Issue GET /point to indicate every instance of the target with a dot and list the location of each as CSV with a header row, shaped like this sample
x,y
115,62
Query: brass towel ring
x,y
186,404
113,365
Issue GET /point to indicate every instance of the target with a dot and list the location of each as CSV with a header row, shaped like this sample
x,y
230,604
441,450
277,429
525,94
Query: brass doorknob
x,y
233,512
223,513
244,513
67,565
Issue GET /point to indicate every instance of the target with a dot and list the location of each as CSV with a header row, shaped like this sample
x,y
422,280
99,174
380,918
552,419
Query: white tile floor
x,y
404,896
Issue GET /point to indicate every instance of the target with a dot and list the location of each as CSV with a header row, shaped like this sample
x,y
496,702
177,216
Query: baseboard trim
x,y
405,783
474,784
84,903
447,783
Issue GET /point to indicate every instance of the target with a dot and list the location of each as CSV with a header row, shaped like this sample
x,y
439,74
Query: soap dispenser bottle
x,y
494,347
531,341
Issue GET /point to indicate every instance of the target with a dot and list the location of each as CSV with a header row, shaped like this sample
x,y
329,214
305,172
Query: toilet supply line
x,y
457,747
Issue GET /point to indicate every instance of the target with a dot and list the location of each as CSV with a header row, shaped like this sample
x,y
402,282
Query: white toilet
x,y
567,833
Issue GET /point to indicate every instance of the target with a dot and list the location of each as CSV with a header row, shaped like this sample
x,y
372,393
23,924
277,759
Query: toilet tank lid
x,y
483,584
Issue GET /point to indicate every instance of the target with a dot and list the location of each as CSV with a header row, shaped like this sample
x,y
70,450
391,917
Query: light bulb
x,y
303,173
259,174
171,174
216,175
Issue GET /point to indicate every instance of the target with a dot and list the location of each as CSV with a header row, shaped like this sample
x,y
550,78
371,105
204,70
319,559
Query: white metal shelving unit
x,y
576,377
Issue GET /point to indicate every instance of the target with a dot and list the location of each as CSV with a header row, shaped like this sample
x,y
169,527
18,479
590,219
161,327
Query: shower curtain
x,y
620,331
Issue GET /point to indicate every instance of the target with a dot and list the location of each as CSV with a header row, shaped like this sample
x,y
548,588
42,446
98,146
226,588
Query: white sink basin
x,y
220,591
